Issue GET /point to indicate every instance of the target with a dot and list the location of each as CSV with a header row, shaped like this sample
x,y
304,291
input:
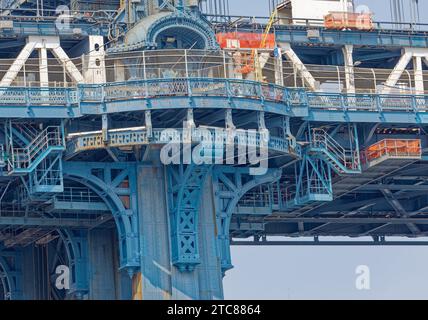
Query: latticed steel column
x,y
185,185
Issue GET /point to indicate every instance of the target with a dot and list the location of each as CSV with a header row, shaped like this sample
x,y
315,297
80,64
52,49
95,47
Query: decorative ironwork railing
x,y
212,87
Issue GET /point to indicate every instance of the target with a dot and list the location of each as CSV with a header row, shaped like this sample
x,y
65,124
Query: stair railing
x,y
348,158
22,158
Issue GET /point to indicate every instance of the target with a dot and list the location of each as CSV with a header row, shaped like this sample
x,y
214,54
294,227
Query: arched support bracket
x,y
11,273
116,184
230,185
185,184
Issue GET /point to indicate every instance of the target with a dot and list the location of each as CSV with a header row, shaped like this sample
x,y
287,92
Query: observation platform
x,y
205,93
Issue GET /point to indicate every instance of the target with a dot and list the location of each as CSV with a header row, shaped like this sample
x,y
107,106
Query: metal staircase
x,y
39,163
315,184
376,165
25,160
26,130
342,161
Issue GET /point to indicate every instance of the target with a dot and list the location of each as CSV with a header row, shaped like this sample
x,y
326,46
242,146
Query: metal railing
x,y
76,194
22,158
236,88
259,22
260,197
199,64
26,130
284,194
139,89
37,96
229,64
219,138
349,159
393,148
225,64
367,102
44,177
50,15
214,87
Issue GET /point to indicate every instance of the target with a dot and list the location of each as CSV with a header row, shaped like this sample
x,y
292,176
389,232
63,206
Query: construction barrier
x,y
245,40
394,148
348,20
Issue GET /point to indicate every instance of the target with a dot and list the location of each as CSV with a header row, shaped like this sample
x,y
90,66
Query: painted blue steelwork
x,y
76,246
185,186
81,144
106,179
230,185
143,136
313,183
237,94
10,273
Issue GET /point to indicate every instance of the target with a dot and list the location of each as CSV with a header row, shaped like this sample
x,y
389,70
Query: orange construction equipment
x,y
245,40
395,148
349,20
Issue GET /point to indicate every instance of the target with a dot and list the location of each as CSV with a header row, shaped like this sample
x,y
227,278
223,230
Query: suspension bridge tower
x,y
140,140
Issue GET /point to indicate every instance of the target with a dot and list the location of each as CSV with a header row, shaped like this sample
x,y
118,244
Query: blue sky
x,y
326,272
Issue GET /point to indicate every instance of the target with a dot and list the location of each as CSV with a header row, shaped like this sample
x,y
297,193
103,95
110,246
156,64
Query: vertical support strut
x,y
176,237
184,193
349,68
43,67
419,76
94,69
279,72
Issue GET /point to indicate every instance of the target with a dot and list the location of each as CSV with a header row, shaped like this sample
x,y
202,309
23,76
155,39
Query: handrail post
x,y
262,97
144,66
414,104
227,87
186,62
27,96
224,65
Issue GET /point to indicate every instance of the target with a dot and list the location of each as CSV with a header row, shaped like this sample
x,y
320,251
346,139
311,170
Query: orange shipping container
x,y
244,40
348,20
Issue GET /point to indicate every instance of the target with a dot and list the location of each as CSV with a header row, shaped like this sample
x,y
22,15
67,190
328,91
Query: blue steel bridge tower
x,y
92,95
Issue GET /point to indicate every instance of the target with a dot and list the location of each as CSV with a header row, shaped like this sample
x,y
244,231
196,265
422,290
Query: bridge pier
x,y
160,279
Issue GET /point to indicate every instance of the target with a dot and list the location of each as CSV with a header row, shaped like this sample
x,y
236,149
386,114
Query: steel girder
x,y
185,187
230,184
116,184
11,273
